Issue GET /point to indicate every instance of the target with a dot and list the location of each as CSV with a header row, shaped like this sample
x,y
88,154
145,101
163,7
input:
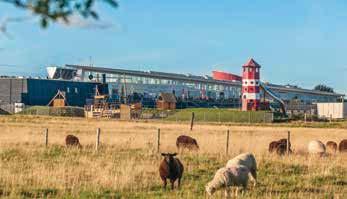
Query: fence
x,y
158,139
54,111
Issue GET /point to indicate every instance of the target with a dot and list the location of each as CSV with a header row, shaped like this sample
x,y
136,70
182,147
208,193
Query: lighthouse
x,y
251,86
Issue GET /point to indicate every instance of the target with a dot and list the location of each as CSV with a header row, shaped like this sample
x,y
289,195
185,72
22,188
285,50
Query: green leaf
x,y
44,22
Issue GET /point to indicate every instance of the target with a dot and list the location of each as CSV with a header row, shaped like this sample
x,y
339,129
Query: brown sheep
x,y
280,147
72,141
186,142
171,168
343,146
331,146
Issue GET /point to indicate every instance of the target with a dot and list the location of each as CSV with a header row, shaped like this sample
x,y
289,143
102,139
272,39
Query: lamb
x,y
247,160
343,146
171,168
187,142
331,146
227,177
316,147
72,141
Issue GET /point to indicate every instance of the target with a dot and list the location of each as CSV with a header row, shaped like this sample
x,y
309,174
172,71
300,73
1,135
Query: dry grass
x,y
127,164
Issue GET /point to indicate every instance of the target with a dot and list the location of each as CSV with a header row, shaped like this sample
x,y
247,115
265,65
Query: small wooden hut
x,y
166,101
59,100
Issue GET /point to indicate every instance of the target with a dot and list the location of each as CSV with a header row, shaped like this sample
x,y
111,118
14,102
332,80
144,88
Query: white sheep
x,y
316,147
228,177
247,160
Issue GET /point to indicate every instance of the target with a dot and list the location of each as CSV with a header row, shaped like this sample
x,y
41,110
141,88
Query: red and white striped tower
x,y
251,86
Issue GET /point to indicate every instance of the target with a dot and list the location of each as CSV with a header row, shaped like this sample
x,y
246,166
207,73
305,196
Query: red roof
x,y
251,63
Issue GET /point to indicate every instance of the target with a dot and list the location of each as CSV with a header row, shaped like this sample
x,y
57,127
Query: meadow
x,y
126,165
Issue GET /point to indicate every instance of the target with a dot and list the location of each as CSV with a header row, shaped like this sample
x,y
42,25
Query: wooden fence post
x,y
288,143
46,137
158,141
97,143
192,121
305,117
227,144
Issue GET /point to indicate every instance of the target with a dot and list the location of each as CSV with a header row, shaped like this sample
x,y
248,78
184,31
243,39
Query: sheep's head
x,y
210,189
169,157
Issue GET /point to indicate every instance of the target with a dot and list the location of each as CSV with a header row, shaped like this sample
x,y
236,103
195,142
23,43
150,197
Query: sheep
x,y
343,146
280,147
331,146
72,141
247,160
236,175
316,147
187,142
170,168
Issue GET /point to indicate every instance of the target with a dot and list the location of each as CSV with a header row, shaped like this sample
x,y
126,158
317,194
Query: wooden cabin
x,y
166,101
59,100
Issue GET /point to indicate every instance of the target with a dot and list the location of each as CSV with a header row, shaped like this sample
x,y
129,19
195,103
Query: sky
x,y
297,42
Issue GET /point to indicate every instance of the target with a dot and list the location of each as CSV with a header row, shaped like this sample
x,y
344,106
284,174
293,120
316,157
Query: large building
x,y
79,84
149,84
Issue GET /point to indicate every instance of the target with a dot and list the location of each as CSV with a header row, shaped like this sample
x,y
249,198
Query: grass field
x,y
127,164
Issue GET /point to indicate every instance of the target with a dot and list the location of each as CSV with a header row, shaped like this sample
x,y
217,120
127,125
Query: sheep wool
x,y
316,147
247,160
227,177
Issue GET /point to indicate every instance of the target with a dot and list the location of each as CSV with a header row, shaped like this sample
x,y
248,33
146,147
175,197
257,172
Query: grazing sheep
x,y
273,146
316,147
72,141
171,168
331,147
186,142
343,146
227,177
247,160
280,147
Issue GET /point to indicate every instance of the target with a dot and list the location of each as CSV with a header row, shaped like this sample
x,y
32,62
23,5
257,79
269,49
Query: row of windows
x,y
251,82
70,90
126,79
250,69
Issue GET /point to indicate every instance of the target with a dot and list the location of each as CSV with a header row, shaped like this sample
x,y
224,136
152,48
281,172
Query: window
x,y
257,70
76,90
67,89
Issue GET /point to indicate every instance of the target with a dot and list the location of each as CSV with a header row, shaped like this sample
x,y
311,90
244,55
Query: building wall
x,y
41,91
33,92
334,110
11,90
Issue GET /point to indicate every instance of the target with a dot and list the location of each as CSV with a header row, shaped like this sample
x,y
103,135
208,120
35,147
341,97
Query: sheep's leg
x,y
179,181
172,184
227,192
254,176
164,183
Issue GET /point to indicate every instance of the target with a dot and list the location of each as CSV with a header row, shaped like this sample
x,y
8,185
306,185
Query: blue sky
x,y
300,42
